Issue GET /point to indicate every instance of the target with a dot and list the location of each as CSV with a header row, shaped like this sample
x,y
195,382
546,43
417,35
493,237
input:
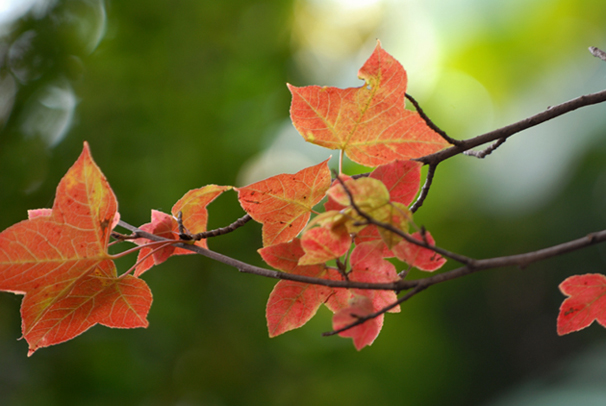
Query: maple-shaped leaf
x,y
283,203
402,179
292,304
367,266
192,207
58,259
419,257
587,302
369,122
363,334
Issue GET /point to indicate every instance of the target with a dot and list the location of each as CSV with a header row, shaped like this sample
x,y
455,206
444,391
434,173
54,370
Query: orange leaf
x,y
419,257
58,259
292,304
194,215
283,203
369,122
402,179
369,266
363,334
193,208
321,244
587,302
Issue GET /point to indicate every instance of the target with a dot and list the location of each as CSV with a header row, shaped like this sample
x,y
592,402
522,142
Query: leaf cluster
x,y
58,258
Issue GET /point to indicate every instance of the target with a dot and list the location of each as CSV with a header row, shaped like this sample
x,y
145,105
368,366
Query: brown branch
x,y
509,130
425,190
247,268
223,230
519,260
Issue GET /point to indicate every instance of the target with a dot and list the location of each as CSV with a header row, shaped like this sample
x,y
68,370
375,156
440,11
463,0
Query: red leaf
x,y
193,208
321,244
587,302
194,216
402,179
330,203
363,334
371,234
292,304
59,260
369,122
368,265
283,203
162,225
419,257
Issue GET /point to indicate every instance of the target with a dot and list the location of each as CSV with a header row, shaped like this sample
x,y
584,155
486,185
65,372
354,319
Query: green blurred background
x,y
174,95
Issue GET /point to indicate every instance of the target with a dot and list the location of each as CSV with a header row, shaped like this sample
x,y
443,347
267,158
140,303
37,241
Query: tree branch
x,y
509,130
223,230
425,190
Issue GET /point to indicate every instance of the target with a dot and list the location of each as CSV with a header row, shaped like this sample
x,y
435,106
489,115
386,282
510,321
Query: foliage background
x,y
175,95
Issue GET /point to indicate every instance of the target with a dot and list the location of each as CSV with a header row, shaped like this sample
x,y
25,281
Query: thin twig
x,y
223,230
430,123
425,190
488,150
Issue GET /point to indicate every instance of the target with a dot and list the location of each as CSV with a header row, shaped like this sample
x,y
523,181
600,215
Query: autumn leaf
x,y
586,302
369,122
419,257
368,266
401,178
367,193
371,234
363,334
283,203
395,215
58,259
193,208
292,304
330,204
321,244
194,216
